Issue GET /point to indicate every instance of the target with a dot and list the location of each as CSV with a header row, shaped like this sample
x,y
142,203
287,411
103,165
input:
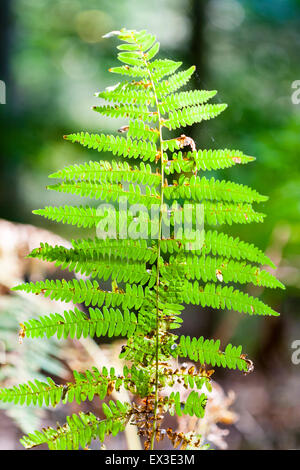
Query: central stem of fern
x,y
156,383
157,277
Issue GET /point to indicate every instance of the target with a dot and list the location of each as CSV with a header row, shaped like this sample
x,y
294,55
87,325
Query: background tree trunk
x,y
8,180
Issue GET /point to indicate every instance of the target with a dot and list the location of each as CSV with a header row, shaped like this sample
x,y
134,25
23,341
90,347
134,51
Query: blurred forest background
x,y
53,59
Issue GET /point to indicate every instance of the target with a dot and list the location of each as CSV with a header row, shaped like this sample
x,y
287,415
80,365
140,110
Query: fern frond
x,y
185,99
190,377
194,405
96,264
37,393
85,386
76,324
127,111
218,243
170,144
160,274
117,145
162,67
218,159
131,58
106,172
108,192
136,41
219,297
205,160
214,213
174,82
126,93
87,292
123,249
207,268
225,213
144,42
202,188
130,71
189,116
225,245
86,217
208,352
81,429
140,130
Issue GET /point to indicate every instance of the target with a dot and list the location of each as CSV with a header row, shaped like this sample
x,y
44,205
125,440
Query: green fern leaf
x,y
201,188
207,268
219,297
218,243
205,160
87,292
77,324
96,264
175,82
80,216
191,115
225,213
117,145
108,192
208,352
79,430
105,172
185,99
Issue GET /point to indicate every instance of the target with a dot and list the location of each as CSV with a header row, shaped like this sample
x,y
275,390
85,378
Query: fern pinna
x,y
151,276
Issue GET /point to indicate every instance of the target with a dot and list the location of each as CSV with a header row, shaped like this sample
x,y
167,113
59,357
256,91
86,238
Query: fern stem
x,y
158,260
156,384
